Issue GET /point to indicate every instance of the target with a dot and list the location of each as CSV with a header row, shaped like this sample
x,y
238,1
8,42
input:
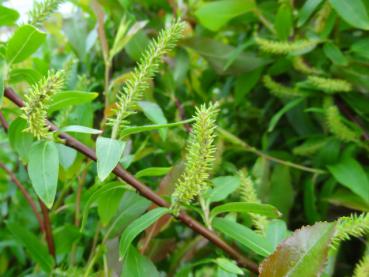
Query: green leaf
x,y
67,98
137,265
139,129
18,75
108,203
281,194
310,200
19,140
218,54
284,21
351,174
132,207
223,186
137,226
276,232
224,10
153,171
345,198
245,207
96,193
228,265
8,16
153,112
64,237
302,254
24,42
43,170
37,250
80,129
360,47
67,155
278,115
354,12
243,235
307,10
334,54
108,152
245,83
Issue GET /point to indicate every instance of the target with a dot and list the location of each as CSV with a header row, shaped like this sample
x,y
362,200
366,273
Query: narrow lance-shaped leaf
x,y
137,226
43,169
243,235
36,249
244,207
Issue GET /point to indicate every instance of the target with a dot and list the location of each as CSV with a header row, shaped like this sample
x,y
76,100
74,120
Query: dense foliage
x,y
126,123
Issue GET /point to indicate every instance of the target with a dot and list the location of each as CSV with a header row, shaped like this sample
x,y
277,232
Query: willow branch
x,y
48,229
26,195
147,192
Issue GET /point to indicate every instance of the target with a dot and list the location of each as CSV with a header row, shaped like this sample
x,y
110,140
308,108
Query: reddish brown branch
x,y
148,193
3,122
48,229
26,195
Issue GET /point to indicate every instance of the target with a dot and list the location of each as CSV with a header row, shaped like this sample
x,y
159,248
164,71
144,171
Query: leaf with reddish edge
x,y
302,254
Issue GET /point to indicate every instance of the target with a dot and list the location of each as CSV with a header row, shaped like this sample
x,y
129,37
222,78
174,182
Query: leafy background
x,y
299,162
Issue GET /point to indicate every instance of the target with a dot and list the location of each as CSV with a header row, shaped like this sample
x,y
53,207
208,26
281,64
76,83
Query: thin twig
x,y
147,192
48,228
26,195
237,141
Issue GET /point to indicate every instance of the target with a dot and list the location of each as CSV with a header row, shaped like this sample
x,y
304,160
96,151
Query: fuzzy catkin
x,y
335,124
36,103
362,268
329,85
279,90
200,158
42,10
142,75
284,47
352,226
248,194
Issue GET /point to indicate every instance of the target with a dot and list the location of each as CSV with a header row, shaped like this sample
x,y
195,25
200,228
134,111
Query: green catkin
x,y
42,10
142,75
36,103
248,194
199,160
284,47
300,65
352,226
362,268
279,90
335,124
329,85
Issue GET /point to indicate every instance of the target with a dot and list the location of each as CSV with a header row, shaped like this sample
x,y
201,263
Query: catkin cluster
x,y
42,10
248,194
36,104
200,158
142,75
